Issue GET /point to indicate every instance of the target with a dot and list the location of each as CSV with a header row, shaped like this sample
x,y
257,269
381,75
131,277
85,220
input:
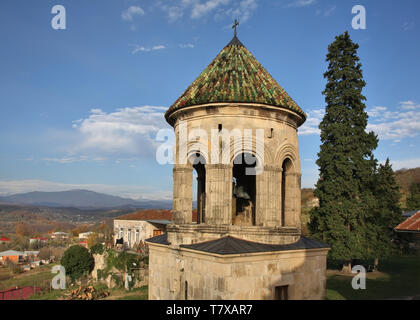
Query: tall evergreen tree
x,y
346,163
388,212
413,200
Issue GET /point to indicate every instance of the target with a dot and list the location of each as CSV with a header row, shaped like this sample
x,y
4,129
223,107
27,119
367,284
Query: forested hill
x,y
404,177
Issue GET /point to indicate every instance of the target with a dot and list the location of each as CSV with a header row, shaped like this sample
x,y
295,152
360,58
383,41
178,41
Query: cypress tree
x,y
388,212
346,163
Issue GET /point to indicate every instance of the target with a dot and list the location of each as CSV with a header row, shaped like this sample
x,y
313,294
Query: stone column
x,y
292,200
268,197
182,194
219,194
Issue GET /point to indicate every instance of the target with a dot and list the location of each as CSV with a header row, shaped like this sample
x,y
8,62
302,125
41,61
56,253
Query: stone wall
x,y
176,272
194,233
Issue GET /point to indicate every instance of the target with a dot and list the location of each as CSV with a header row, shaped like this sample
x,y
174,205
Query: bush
x,y
97,248
45,253
78,261
14,268
57,252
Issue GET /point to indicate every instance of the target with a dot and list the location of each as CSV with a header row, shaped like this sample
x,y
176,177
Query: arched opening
x,y
199,185
285,190
244,190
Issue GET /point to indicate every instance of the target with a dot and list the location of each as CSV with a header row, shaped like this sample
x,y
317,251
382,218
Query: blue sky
x,y
79,108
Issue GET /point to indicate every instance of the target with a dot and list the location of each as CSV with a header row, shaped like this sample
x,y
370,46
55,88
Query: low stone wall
x,y
179,273
193,233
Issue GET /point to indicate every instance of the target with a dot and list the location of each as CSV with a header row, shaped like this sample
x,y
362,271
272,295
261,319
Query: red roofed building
x,y
41,240
83,243
4,240
411,226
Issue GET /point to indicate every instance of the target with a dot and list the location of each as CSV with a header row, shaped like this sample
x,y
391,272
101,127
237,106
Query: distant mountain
x,y
82,199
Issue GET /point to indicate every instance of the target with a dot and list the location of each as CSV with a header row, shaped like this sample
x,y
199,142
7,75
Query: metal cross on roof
x,y
236,23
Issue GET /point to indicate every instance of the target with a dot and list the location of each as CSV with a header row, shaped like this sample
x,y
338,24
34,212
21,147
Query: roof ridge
x,y
235,42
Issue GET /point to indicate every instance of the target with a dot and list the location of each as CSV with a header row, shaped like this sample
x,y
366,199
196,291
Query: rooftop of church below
x,y
235,76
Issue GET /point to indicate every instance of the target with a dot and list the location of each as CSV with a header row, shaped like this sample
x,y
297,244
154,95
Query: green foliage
x,y
78,261
387,214
413,200
118,280
123,262
97,248
345,161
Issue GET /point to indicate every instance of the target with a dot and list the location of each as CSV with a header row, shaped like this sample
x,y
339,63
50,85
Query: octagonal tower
x,y
236,128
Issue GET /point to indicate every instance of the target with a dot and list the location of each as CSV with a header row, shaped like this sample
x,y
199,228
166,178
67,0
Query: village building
x,y
60,235
85,235
131,229
38,240
411,227
12,256
247,241
31,255
4,240
83,243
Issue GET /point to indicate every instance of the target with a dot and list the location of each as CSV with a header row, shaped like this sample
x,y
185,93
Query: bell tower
x,y
236,130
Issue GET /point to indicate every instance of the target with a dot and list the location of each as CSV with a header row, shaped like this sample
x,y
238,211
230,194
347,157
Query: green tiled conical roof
x,y
235,76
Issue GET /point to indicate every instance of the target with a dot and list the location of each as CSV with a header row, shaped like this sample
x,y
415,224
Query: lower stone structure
x,y
212,271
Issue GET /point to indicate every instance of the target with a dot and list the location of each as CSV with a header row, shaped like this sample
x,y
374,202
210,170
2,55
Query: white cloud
x,y
186,45
72,159
198,9
300,3
395,125
126,191
124,131
243,10
329,11
408,26
132,11
376,111
389,125
138,48
311,124
404,164
409,105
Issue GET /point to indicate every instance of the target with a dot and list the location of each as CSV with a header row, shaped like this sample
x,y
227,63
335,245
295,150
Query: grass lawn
x,y
398,277
36,277
136,294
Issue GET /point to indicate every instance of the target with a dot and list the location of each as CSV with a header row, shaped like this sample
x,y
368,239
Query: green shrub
x,y
78,261
97,248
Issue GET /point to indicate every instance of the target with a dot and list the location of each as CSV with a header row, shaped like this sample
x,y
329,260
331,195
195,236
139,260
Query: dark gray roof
x,y
159,221
231,245
409,213
161,239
